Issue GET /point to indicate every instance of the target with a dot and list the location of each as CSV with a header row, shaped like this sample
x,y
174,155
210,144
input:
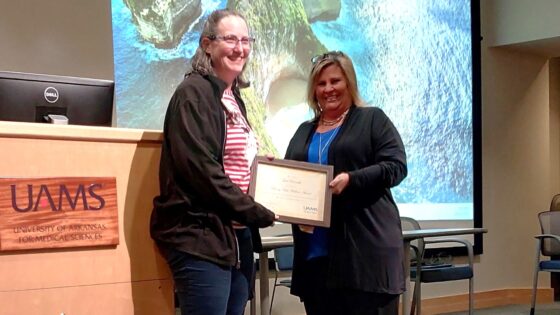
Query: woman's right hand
x,y
306,228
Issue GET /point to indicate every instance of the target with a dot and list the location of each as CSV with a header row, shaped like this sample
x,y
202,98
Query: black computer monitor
x,y
30,97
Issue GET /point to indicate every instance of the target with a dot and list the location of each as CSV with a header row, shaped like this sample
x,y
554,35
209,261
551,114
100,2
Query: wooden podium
x,y
128,278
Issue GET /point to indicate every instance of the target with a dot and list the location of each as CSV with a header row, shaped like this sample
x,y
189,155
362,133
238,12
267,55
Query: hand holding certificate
x,y
298,192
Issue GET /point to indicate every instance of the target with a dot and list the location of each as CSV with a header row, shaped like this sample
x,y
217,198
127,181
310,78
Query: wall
x,y
517,21
554,119
516,165
520,113
61,37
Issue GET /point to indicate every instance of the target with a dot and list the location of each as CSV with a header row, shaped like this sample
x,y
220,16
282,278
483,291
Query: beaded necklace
x,y
326,122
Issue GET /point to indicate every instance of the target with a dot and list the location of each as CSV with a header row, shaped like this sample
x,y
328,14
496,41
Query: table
x,y
271,242
268,243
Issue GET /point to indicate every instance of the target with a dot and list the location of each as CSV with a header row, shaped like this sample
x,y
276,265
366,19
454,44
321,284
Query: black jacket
x,y
365,238
197,200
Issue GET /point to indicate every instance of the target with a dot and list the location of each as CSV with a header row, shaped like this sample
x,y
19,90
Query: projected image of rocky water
x,y
412,57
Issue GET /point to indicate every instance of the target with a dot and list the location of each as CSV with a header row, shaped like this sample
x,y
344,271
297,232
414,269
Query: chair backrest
x,y
550,224
284,257
410,224
555,203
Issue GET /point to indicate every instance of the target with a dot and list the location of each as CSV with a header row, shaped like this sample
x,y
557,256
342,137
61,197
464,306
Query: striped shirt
x,y
241,144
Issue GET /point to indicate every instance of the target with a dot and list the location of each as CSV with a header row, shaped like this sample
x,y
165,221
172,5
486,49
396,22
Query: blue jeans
x,y
206,288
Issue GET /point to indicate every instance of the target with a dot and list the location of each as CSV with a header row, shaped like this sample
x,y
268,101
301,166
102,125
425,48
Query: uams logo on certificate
x,y
51,94
310,209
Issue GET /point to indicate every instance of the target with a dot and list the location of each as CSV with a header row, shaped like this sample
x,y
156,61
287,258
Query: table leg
x,y
263,280
406,297
253,306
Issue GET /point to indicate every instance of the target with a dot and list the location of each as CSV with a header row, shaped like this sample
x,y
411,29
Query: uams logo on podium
x,y
58,212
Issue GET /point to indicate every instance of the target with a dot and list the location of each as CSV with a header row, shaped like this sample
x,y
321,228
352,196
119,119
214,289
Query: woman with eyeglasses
x,y
203,221
356,265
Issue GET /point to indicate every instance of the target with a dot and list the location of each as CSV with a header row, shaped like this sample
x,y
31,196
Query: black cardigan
x,y
365,238
197,200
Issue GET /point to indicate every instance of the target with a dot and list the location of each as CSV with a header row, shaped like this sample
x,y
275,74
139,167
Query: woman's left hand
x,y
339,183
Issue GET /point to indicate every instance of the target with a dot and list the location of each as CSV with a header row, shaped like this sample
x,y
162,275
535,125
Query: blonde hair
x,y
321,62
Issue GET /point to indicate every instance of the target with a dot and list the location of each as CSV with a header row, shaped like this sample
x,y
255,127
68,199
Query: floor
x,y
542,309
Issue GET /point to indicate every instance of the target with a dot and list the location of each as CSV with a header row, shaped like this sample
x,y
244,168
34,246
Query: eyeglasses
x,y
329,55
232,40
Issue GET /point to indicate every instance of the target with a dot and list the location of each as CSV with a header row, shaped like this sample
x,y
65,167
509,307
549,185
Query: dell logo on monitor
x,y
51,95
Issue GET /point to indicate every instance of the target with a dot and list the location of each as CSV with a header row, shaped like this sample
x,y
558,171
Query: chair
x,y
548,244
423,271
284,257
554,277
555,203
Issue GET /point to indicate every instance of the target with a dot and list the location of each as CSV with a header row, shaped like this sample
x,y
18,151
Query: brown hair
x,y
201,62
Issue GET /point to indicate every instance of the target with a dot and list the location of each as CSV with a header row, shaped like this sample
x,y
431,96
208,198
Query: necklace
x,y
323,147
326,122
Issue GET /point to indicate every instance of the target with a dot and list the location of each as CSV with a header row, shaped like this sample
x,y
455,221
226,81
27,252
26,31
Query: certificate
x,y
298,192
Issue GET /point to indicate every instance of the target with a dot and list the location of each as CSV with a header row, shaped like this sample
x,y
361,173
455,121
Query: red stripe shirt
x,y
241,144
